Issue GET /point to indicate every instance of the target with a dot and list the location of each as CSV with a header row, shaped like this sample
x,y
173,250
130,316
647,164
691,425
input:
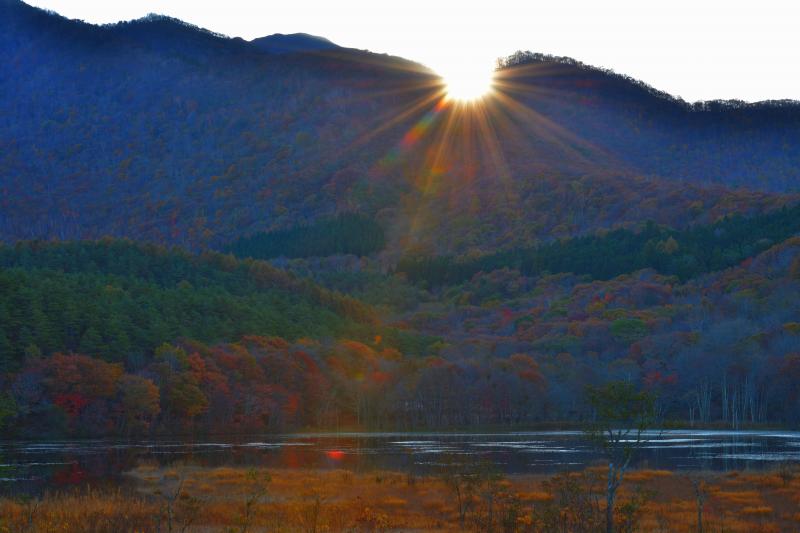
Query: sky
x,y
695,49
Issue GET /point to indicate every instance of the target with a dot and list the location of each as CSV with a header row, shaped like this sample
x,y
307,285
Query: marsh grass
x,y
223,500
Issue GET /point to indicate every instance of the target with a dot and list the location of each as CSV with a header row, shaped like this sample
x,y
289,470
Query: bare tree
x,y
622,415
700,495
463,482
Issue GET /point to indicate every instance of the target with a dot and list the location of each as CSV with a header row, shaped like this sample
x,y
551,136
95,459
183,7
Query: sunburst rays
x,y
453,154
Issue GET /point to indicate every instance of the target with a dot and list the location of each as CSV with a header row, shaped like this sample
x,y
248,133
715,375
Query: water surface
x,y
31,466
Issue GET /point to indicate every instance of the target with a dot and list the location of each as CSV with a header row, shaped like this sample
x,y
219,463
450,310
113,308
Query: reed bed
x,y
187,498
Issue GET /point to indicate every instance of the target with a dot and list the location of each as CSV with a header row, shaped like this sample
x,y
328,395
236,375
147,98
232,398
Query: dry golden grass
x,y
639,476
213,500
744,497
535,496
88,512
761,510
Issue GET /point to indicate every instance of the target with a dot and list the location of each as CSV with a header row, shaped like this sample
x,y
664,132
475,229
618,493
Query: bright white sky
x,y
696,49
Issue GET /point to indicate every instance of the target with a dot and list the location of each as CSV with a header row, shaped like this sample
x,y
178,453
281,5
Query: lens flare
x,y
466,83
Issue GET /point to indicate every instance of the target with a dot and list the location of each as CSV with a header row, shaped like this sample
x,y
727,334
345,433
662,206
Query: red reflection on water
x,y
69,476
336,455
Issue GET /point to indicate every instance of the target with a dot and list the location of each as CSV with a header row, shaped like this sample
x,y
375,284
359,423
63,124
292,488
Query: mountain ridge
x,y
512,60
280,43
199,139
521,57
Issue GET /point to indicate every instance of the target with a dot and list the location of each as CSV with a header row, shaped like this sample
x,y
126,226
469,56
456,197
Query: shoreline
x,y
356,432
564,428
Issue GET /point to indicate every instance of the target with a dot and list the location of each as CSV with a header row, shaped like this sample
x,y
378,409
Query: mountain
x,y
208,234
160,131
732,143
279,43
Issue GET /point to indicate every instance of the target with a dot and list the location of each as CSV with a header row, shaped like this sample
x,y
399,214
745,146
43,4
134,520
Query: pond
x,y
31,466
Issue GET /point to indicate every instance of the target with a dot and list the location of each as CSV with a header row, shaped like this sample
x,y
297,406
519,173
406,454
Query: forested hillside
x,y
685,253
117,300
731,336
346,233
106,338
114,338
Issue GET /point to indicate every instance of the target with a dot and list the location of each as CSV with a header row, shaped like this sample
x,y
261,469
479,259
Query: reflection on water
x,y
31,466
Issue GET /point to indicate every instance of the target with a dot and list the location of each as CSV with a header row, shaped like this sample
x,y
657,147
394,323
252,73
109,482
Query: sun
x,y
467,84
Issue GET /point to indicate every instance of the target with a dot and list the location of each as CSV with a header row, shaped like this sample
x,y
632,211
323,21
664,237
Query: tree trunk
x,y
611,493
700,517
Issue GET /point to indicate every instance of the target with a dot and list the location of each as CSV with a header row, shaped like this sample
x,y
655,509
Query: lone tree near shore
x,y
622,415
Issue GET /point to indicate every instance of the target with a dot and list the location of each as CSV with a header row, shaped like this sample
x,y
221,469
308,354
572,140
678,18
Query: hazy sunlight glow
x,y
467,83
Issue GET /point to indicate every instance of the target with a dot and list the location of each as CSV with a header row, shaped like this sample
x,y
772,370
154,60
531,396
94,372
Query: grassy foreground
x,y
189,498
